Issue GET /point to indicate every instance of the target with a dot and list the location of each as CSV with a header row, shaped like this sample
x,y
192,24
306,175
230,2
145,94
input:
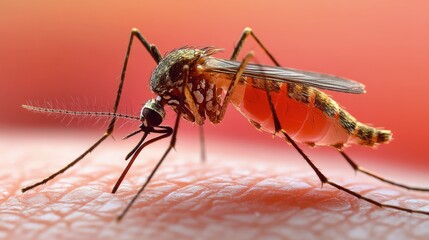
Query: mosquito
x,y
285,102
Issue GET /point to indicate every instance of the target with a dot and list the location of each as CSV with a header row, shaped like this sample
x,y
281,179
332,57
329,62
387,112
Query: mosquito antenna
x,y
78,113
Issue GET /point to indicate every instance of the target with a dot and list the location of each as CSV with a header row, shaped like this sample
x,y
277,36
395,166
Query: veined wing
x,y
279,74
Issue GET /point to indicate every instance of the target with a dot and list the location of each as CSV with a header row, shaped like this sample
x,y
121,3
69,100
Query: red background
x,y
55,50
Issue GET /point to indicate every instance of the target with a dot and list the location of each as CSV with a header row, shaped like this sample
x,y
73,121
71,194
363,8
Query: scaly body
x,y
306,114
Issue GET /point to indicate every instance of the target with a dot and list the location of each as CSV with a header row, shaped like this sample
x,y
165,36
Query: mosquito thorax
x,y
168,78
152,113
168,74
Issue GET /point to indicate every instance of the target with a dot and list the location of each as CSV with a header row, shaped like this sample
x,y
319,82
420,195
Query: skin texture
x,y
244,198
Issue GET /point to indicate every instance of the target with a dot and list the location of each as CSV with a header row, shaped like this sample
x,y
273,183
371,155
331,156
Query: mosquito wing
x,y
279,74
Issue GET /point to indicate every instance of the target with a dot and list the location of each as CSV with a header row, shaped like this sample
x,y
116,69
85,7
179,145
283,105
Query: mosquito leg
x,y
246,33
151,48
231,87
172,143
156,56
203,145
198,119
324,179
277,125
358,168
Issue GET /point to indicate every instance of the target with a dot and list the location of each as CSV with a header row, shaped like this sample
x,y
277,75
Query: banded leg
x,y
156,56
172,142
323,179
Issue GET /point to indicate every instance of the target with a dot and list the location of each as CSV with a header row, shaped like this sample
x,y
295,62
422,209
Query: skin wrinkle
x,y
188,199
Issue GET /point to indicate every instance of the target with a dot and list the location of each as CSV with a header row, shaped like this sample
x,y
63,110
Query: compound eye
x,y
152,113
153,118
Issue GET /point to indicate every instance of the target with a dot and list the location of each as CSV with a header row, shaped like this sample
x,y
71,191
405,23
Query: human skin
x,y
223,198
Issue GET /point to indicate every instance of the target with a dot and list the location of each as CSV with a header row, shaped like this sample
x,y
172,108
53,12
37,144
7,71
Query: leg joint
x,y
247,30
134,31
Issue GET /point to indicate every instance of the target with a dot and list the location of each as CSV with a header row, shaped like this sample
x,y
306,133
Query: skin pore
x,y
246,198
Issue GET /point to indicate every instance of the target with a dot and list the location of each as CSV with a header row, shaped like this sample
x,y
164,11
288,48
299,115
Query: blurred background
x,y
72,52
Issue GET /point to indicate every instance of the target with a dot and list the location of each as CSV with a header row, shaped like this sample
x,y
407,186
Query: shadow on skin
x,y
189,200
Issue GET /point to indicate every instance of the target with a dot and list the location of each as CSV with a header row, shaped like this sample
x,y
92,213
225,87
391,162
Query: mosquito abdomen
x,y
370,136
306,114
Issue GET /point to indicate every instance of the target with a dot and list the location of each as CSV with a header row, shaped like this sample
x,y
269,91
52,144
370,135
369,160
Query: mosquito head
x,y
152,113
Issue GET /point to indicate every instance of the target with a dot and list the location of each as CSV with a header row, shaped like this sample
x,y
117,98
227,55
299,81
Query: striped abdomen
x,y
305,113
